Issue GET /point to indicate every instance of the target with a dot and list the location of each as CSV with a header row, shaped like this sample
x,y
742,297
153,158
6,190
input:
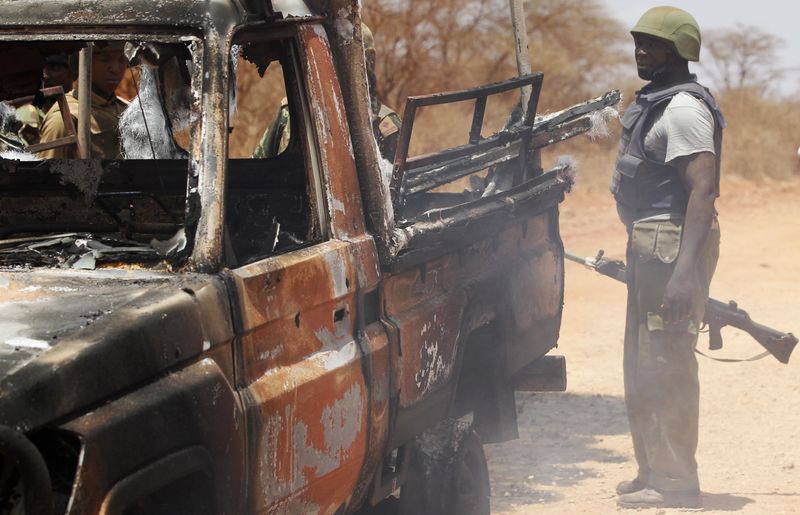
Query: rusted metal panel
x,y
378,364
289,304
429,351
343,26
542,270
425,304
534,288
514,275
333,134
307,398
312,436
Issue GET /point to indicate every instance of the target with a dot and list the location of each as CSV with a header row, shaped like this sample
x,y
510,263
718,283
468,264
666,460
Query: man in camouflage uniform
x,y
665,184
108,68
276,137
385,122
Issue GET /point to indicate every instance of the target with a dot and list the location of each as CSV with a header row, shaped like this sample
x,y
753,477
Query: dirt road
x,y
574,447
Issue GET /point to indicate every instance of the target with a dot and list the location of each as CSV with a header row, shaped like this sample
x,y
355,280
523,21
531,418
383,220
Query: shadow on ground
x,y
724,502
558,446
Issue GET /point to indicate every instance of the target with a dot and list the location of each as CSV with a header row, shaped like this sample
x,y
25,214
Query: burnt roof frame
x,y
406,168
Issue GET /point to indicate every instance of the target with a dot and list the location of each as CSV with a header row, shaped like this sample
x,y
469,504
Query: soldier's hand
x,y
677,303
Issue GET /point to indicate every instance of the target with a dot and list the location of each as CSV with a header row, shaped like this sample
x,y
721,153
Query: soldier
x,y
665,184
108,68
385,122
56,72
276,138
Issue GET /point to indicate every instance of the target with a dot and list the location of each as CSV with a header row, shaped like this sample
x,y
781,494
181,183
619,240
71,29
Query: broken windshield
x,y
94,151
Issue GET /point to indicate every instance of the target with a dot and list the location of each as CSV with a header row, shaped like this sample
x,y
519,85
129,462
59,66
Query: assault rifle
x,y
717,315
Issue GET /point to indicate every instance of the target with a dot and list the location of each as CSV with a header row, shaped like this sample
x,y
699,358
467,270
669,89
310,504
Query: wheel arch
x,y
183,480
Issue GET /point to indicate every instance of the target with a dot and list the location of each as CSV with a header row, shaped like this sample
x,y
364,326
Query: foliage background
x,y
429,46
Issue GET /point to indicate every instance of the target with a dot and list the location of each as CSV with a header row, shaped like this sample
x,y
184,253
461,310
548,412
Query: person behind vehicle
x,y
385,121
56,72
276,137
665,184
108,68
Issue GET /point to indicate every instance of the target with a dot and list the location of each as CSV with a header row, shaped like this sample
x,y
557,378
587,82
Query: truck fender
x,y
187,475
156,447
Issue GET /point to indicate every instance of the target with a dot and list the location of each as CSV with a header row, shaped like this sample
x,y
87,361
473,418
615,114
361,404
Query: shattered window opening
x,y
271,200
125,204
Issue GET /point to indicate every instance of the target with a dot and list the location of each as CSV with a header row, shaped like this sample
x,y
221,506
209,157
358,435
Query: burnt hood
x,y
71,339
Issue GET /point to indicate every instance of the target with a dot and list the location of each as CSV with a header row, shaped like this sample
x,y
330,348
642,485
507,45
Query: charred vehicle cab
x,y
187,328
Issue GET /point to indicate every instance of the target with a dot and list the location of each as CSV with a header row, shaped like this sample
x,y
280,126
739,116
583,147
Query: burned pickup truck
x,y
187,328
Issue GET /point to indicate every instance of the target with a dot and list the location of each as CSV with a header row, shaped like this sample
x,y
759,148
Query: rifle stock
x,y
777,343
717,314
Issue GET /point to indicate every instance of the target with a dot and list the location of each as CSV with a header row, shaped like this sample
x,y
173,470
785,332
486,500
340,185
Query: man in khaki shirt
x,y
108,68
56,72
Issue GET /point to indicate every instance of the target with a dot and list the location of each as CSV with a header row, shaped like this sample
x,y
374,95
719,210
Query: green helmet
x,y
369,39
673,25
369,45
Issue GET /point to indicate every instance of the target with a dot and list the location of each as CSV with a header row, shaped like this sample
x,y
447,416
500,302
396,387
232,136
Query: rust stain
x,y
344,197
315,435
518,266
303,371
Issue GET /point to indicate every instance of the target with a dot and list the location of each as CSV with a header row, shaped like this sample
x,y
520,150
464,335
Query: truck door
x,y
296,283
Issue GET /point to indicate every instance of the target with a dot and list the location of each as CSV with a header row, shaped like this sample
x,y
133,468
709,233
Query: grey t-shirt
x,y
683,128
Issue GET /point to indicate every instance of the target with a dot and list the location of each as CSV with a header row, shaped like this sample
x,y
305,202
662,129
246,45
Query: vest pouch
x,y
628,165
656,240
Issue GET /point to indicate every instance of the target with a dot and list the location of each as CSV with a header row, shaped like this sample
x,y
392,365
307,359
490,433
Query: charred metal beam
x,y
403,164
85,102
436,231
610,98
66,117
521,46
348,50
443,167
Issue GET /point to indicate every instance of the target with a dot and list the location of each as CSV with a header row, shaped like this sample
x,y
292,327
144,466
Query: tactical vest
x,y
650,187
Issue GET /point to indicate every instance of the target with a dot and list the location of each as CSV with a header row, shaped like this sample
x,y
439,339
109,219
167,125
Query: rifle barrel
x,y
576,258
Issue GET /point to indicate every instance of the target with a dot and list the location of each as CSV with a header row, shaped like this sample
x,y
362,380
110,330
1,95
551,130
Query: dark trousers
x,y
662,390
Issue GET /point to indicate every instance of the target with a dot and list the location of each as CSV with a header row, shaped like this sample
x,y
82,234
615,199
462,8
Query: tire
x,y
448,474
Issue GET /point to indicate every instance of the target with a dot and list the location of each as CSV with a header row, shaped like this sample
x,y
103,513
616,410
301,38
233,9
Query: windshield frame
x,y
172,35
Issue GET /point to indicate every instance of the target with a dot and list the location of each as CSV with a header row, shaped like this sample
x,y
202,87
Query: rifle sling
x,y
734,360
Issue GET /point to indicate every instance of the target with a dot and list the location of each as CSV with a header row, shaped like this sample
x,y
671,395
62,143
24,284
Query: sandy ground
x,y
574,447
